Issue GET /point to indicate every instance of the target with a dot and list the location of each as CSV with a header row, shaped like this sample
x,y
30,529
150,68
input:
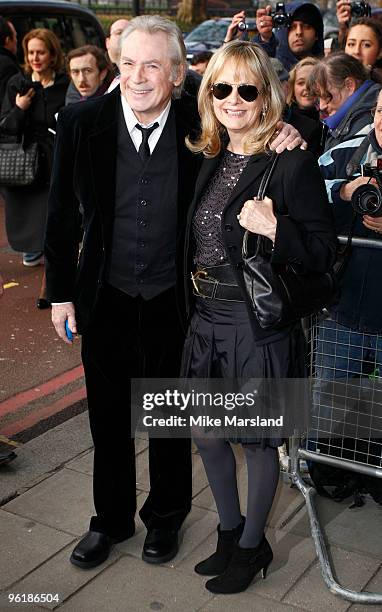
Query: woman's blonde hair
x,y
307,61
252,59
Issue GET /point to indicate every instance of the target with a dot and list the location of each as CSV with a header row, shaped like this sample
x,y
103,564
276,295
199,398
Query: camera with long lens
x,y
367,199
360,9
280,18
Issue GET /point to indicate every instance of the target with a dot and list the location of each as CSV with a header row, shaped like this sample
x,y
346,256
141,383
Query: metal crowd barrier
x,y
346,371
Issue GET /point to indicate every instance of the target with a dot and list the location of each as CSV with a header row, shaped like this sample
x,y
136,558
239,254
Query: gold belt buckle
x,y
194,277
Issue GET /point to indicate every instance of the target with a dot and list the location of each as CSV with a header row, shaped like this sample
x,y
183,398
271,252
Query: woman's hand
x,y
373,223
258,217
232,28
343,13
25,101
264,23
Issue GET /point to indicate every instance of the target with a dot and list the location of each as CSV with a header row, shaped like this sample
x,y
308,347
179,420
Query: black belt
x,y
207,286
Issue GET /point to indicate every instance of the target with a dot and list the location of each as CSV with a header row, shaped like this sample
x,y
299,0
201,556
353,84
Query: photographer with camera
x,y
346,11
299,32
357,199
237,28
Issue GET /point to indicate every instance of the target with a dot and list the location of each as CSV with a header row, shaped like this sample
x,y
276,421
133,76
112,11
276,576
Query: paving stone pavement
x,y
50,511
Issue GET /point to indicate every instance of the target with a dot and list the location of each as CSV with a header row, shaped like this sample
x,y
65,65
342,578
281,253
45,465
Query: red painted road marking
x,y
25,397
43,413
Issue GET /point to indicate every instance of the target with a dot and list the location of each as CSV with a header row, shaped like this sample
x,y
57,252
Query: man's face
x,y
12,41
147,75
112,41
85,74
378,120
301,38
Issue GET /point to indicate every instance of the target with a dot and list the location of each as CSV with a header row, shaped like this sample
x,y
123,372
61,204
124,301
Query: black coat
x,y
84,172
305,226
26,206
8,67
35,122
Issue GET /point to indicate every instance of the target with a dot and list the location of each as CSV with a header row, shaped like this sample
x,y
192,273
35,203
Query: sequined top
x,y
206,224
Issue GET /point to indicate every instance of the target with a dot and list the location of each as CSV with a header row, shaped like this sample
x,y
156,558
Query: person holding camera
x,y
299,33
346,11
28,112
349,340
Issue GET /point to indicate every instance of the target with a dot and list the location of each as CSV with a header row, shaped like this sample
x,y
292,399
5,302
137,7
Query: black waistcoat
x,y
142,260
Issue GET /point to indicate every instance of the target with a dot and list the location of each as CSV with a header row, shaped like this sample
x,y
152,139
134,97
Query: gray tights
x,y
263,472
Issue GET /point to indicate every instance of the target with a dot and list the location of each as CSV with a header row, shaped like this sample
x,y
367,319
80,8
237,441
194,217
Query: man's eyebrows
x,y
149,61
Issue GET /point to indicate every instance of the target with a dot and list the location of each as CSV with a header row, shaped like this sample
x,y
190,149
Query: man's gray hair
x,y
152,24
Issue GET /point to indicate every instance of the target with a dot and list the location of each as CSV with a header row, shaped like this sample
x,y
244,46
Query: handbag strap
x,y
267,176
260,196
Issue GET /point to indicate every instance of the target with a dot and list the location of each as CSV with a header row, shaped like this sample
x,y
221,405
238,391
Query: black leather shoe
x,y
92,550
160,545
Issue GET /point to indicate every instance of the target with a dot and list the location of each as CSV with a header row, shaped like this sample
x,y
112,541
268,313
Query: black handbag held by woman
x,y
281,293
19,164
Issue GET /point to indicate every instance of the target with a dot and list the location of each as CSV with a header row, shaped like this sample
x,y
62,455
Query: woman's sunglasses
x,y
247,92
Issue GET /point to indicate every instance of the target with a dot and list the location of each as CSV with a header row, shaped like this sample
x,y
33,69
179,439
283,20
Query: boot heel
x,y
264,571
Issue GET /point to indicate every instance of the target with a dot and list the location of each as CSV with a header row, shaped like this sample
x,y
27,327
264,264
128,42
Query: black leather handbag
x,y
282,293
19,164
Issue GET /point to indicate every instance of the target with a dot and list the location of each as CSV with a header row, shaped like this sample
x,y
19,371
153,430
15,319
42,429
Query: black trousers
x,y
130,337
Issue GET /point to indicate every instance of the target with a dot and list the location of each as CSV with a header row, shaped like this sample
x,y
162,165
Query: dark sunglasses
x,y
247,92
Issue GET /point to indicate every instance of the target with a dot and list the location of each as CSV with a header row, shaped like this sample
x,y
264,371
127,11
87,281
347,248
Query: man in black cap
x,y
302,38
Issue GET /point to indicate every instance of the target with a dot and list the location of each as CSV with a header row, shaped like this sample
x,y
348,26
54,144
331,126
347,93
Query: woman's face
x,y
39,57
362,43
237,115
303,98
334,97
378,120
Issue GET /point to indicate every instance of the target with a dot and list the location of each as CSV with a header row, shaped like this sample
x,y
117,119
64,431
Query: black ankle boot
x,y
244,565
218,561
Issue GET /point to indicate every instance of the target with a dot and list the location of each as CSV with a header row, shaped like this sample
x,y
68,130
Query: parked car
x,y
74,25
209,35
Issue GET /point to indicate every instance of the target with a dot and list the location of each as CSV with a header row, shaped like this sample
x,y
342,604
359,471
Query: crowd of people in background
x,y
32,94
331,99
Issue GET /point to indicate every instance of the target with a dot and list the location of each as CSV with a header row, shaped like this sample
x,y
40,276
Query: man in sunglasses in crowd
x,y
123,295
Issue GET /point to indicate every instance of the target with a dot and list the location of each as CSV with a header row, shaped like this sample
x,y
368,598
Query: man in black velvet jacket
x,y
121,294
123,158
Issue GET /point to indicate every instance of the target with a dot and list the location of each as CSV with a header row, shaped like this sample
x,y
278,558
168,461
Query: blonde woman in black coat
x,y
29,110
240,103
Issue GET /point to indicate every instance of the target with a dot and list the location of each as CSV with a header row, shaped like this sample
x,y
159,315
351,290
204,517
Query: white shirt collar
x,y
131,119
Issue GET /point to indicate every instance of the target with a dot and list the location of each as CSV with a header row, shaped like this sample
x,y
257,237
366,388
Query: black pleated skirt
x,y
220,344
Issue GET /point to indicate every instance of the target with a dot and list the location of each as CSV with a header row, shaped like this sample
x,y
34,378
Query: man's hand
x,y
264,23
287,137
61,312
348,189
232,28
343,13
373,223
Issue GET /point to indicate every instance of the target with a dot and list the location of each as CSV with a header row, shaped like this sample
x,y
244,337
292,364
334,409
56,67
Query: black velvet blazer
x,y
84,171
305,225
